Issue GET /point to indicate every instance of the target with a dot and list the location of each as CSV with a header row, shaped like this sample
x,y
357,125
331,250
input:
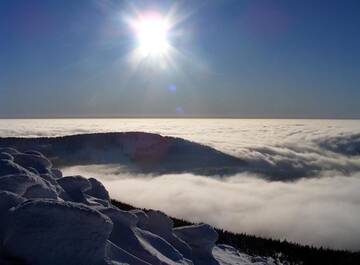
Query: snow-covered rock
x,y
97,190
124,237
55,232
74,187
27,185
6,156
160,224
8,200
56,173
9,150
33,160
8,167
46,218
160,248
227,255
201,238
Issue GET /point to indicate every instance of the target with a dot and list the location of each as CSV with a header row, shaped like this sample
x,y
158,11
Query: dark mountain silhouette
x,y
140,152
147,153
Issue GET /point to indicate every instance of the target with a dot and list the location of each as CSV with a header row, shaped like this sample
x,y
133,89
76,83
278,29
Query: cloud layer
x,y
141,153
322,211
314,166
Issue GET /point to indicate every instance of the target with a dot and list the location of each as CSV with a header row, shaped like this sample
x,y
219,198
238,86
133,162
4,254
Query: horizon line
x,y
176,117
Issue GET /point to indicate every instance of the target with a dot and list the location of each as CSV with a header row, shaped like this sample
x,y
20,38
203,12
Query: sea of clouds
x,y
302,184
318,211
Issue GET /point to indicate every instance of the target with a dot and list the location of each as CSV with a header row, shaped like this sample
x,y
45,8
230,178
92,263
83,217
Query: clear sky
x,y
239,58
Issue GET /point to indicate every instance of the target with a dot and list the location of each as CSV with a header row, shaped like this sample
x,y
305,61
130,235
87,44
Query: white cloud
x,y
323,209
319,211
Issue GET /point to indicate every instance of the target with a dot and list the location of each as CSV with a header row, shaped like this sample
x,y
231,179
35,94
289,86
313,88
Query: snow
x,y
56,232
160,224
47,218
33,160
9,200
97,190
8,167
6,156
75,187
201,238
227,255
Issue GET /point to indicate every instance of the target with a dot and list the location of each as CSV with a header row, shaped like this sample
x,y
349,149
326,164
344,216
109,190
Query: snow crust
x,y
47,218
227,255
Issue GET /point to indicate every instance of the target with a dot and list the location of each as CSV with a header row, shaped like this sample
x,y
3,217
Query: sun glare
x,y
155,34
152,36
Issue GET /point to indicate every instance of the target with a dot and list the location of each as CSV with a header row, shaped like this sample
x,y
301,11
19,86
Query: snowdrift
x,y
47,218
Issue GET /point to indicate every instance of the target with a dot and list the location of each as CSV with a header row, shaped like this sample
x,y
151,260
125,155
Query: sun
x,y
155,36
152,35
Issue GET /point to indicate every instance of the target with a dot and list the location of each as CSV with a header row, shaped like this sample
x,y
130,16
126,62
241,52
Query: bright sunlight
x,y
152,32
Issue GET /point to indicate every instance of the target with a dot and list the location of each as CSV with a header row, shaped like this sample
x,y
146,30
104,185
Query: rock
x,y
47,232
97,190
56,173
201,238
33,152
50,219
74,187
40,191
160,224
160,248
123,235
9,150
9,167
22,184
8,200
6,156
38,162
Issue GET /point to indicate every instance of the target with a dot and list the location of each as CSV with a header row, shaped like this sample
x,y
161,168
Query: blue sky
x,y
241,58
